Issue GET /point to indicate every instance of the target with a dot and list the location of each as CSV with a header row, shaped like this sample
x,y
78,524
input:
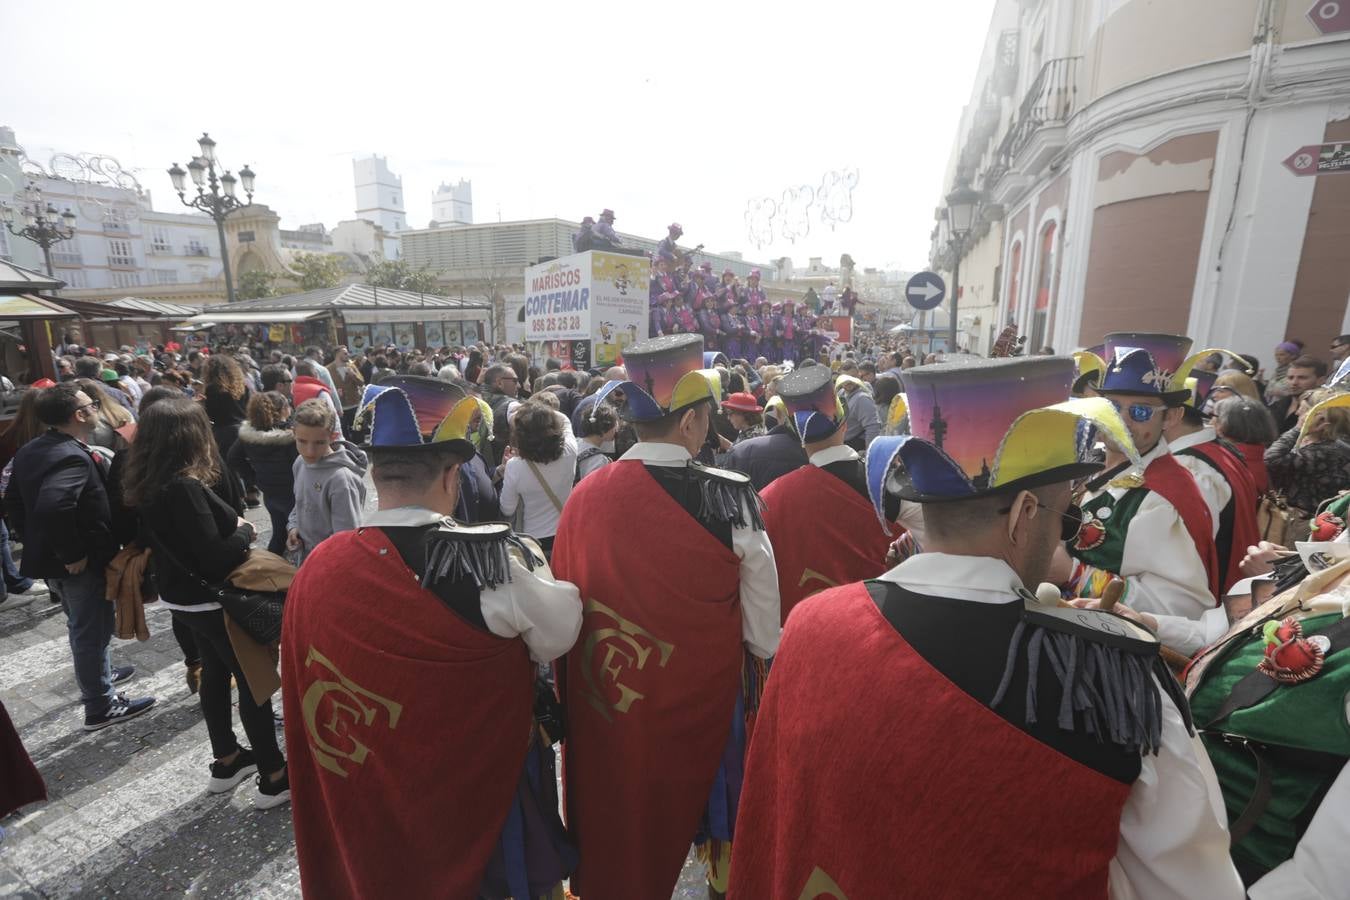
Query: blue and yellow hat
x,y
665,374
988,426
811,402
414,411
1145,363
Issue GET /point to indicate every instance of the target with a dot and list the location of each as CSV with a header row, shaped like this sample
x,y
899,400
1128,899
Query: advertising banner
x,y
594,303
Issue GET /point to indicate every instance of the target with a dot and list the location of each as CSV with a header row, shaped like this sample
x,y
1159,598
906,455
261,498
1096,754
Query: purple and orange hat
x,y
985,426
665,375
1145,363
406,411
814,407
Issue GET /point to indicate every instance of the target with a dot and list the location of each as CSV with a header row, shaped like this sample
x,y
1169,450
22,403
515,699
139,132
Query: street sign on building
x,y
1330,16
925,290
1320,159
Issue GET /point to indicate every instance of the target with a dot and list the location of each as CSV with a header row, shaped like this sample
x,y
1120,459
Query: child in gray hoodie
x,y
330,487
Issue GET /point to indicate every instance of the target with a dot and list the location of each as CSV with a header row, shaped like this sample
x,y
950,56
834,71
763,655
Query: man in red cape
x,y
676,577
939,733
820,519
1221,474
409,690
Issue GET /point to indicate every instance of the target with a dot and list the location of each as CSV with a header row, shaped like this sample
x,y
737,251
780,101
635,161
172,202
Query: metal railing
x,y
67,258
159,249
1050,100
121,262
196,250
113,226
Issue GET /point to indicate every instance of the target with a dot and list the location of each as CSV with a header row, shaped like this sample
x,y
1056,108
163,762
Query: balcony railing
x,y
112,226
1051,100
68,259
196,250
159,249
121,262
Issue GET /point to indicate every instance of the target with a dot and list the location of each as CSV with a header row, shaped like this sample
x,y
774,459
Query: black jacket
x,y
200,531
766,458
58,504
265,458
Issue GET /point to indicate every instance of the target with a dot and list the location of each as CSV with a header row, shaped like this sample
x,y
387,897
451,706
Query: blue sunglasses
x,y
1138,412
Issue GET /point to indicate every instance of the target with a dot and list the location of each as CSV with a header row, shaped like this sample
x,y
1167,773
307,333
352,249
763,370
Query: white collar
x,y
841,453
660,454
402,516
1203,436
981,579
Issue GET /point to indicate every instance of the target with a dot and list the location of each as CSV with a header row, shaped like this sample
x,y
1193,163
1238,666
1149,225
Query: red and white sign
x,y
1320,159
1330,16
837,328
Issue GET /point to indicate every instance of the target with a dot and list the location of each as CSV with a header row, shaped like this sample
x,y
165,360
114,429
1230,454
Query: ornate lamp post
x,y
215,195
40,224
961,205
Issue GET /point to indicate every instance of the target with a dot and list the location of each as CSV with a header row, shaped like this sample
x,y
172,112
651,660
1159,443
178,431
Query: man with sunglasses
x,y
939,731
1147,524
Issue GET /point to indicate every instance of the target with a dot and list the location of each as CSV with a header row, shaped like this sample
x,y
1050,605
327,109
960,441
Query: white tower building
x,y
452,204
379,199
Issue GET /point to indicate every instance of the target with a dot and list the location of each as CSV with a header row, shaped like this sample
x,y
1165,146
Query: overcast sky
x,y
662,111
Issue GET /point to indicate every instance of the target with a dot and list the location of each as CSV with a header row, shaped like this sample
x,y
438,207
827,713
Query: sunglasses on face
x,y
1138,412
1072,519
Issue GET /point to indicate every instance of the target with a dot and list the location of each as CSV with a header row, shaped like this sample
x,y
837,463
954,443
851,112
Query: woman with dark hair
x,y
196,538
226,394
538,469
474,368
265,455
1248,425
1310,464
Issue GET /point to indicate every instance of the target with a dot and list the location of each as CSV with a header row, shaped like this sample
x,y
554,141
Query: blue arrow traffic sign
x,y
925,290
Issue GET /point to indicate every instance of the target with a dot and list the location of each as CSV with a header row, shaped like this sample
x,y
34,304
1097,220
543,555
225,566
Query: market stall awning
x,y
206,320
17,280
31,306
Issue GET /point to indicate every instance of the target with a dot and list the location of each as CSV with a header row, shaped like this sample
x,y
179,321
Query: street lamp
x,y
961,205
42,224
216,194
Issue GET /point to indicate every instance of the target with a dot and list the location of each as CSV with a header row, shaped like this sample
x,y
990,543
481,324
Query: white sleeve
x,y
1189,635
1320,866
541,611
1162,572
760,617
510,496
1212,486
1173,829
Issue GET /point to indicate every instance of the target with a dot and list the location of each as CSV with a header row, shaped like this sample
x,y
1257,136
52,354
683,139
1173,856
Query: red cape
x,y
823,532
1246,533
20,783
1255,457
406,728
1169,479
878,777
650,685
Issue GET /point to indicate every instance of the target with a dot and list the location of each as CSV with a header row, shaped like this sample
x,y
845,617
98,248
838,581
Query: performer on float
x,y
406,659
667,248
662,297
785,327
820,518
754,325
819,339
729,300
653,683
940,732
1151,529
1219,471
804,322
584,239
686,320
849,300
710,322
603,235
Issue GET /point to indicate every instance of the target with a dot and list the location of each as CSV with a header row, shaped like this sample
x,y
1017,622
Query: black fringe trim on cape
x,y
724,502
1107,691
487,562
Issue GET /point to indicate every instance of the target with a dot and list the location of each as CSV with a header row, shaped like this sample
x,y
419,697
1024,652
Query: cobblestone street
x,y
128,813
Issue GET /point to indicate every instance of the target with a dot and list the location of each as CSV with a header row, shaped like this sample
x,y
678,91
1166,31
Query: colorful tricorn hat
x,y
1199,382
1335,401
990,426
1088,369
712,359
813,406
665,375
413,411
1145,363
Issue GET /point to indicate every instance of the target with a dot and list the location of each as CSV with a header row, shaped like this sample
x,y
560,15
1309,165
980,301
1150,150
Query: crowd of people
x,y
851,620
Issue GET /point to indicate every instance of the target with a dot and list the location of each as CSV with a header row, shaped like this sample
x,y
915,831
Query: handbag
x,y
257,612
1281,523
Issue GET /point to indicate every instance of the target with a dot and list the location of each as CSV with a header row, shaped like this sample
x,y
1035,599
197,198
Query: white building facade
x,y
1133,158
379,199
452,204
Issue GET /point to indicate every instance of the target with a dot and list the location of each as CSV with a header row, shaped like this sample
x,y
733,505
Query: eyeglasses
x,y
92,404
1072,519
1138,412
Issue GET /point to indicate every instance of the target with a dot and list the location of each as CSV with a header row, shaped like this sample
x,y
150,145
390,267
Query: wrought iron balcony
x,y
67,259
1037,132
